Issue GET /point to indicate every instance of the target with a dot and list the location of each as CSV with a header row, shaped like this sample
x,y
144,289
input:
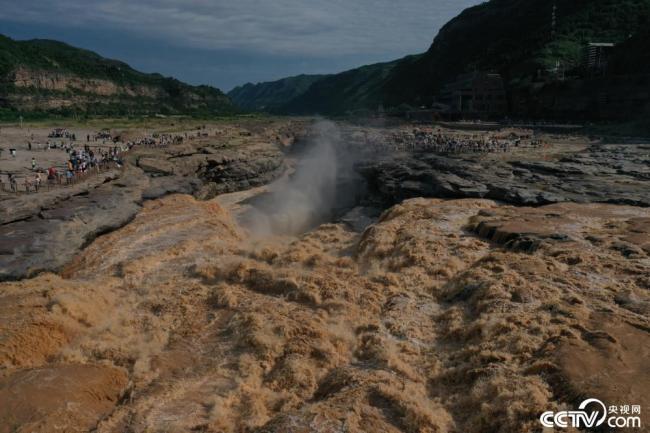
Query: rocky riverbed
x,y
43,231
171,311
603,173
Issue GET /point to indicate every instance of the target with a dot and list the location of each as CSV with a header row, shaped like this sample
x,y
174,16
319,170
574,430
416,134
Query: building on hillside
x,y
477,94
597,56
436,112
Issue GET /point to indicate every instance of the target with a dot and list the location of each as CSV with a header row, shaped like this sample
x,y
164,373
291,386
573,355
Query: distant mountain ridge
x,y
348,91
45,76
271,96
515,38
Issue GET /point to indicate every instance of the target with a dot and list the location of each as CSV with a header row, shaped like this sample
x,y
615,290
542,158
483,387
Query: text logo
x,y
593,413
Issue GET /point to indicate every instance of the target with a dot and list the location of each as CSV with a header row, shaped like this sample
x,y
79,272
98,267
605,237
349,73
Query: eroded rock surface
x,y
43,231
237,171
602,173
225,163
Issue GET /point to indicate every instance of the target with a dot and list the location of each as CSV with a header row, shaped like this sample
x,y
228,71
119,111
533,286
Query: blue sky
x,y
227,43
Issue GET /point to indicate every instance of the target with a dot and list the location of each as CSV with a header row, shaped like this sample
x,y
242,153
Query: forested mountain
x,y
519,39
270,96
356,89
44,76
515,38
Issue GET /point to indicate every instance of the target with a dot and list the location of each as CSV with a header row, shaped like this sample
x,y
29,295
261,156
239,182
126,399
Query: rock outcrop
x,y
45,233
232,172
601,173
156,166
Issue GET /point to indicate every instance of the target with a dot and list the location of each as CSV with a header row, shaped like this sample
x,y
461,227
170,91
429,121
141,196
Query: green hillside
x,y
354,90
349,91
515,38
52,77
270,96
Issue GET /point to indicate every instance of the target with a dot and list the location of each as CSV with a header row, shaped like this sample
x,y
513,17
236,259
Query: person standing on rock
x,y
51,176
12,182
33,164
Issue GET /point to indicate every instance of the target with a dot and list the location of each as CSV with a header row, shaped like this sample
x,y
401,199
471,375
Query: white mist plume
x,y
308,196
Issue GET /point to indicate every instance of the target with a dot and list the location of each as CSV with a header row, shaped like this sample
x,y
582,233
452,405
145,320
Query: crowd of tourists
x,y
79,164
157,140
81,161
439,141
62,133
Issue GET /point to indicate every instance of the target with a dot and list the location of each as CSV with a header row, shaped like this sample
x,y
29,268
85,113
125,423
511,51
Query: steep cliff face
x,y
49,76
26,78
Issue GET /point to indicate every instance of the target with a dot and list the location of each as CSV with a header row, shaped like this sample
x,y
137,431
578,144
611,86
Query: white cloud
x,y
286,27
